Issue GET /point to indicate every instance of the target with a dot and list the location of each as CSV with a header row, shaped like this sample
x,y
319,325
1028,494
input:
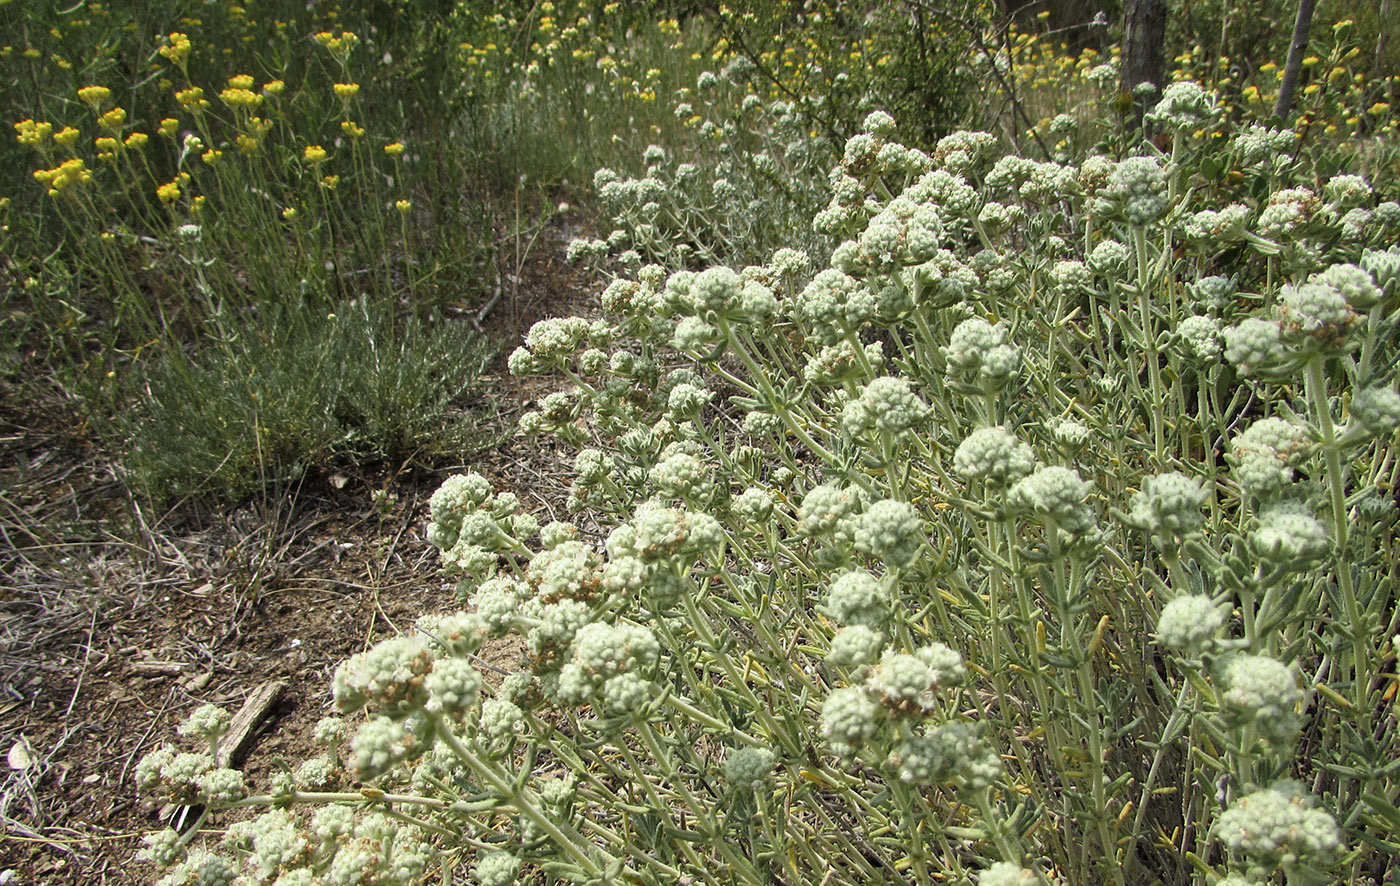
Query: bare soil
x,y
116,623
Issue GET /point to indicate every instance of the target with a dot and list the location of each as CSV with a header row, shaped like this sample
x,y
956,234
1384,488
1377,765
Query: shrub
x,y
305,392
987,551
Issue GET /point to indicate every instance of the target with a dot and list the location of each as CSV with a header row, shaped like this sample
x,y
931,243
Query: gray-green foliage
x,y
305,391
1013,597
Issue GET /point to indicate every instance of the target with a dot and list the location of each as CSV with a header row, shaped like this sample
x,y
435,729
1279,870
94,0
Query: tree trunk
x,y
1301,25
1144,59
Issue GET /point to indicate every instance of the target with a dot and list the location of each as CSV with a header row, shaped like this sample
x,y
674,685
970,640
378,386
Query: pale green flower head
x,y
1315,317
979,352
1055,495
1005,873
1376,410
387,677
748,768
1266,692
858,598
994,456
850,718
498,868
1135,191
452,687
1189,624
163,849
1184,108
886,404
890,531
1357,286
1255,345
855,646
1289,536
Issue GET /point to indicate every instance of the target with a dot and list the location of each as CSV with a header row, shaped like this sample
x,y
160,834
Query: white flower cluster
x,y
1278,827
1055,495
994,456
1266,693
888,405
1185,107
1135,191
469,524
978,353
1189,624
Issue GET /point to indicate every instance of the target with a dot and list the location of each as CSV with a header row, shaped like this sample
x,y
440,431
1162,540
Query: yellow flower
x,y
403,205
394,149
31,133
137,140
211,156
1378,108
176,48
168,127
346,91
240,97
289,213
330,181
94,95
62,178
1310,61
314,154
168,192
350,128
197,204
241,81
113,119
32,53
247,144
1311,88
105,143
274,88
192,98
66,136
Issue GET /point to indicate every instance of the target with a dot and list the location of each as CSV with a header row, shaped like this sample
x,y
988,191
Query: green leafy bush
x,y
1043,534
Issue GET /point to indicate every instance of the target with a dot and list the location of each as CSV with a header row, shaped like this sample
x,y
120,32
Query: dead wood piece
x,y
254,710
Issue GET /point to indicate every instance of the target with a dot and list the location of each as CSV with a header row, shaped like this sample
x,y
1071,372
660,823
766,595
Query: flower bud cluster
x,y
993,456
469,524
1055,496
1185,108
1169,507
978,353
887,405
1135,191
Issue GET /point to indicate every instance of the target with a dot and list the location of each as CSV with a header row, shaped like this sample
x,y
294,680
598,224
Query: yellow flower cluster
x,y
176,48
62,179
192,99
240,98
113,119
94,95
32,133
